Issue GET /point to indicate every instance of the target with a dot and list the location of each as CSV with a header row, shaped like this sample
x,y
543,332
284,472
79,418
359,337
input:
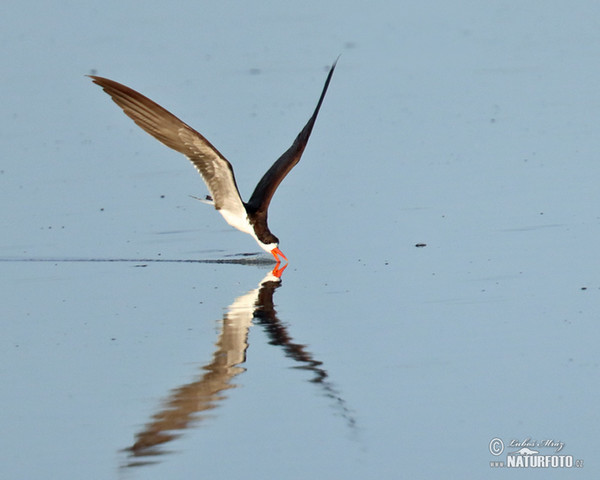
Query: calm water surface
x,y
471,129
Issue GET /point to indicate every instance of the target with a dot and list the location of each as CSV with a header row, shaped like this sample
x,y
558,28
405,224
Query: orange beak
x,y
277,253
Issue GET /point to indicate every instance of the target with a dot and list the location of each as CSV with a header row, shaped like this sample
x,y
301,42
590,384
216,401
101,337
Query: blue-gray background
x,y
469,126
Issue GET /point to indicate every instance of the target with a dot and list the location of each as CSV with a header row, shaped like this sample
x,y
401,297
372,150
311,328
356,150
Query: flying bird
x,y
249,217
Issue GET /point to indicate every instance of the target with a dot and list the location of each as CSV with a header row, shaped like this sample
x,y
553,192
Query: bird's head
x,y
273,249
270,243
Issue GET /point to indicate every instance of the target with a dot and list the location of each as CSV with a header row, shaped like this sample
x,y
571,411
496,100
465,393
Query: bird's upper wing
x,y
216,171
261,197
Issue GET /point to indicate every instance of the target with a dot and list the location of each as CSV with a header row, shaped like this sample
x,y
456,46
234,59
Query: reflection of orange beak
x,y
278,271
277,253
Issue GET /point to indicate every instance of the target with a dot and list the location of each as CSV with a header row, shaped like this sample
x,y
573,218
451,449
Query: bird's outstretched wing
x,y
261,197
216,171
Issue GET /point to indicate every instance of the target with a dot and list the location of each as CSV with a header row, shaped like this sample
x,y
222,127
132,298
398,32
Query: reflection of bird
x,y
207,392
191,402
249,217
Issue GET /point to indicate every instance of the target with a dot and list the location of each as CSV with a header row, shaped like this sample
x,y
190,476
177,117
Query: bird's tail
x,y
208,199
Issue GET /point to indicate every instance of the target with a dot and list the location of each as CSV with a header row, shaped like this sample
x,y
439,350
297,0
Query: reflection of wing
x,y
265,315
187,401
